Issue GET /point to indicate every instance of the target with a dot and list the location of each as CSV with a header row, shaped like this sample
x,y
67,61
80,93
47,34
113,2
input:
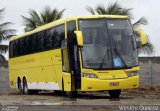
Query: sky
x,y
149,9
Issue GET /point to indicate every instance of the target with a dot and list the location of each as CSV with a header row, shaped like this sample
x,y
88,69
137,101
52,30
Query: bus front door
x,y
70,64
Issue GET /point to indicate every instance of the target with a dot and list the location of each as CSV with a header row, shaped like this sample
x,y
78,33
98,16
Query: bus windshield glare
x,y
108,44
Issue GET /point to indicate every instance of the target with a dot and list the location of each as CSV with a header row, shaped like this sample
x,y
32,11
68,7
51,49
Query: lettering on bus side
x,y
28,60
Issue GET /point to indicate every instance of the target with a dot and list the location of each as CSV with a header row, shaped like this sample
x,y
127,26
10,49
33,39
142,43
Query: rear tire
x,y
19,85
114,93
25,87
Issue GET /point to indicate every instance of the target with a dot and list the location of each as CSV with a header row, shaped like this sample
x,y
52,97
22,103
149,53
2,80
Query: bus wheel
x,y
20,86
71,94
25,87
114,93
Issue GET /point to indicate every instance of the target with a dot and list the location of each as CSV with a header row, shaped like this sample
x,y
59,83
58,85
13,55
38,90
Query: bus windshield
x,y
108,44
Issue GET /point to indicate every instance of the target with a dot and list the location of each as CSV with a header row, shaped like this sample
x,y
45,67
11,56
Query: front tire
x,y
114,93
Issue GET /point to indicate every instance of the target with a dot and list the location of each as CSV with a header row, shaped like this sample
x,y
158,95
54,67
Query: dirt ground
x,y
94,98
84,101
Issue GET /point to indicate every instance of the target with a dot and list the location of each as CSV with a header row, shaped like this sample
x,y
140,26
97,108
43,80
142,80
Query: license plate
x,y
114,84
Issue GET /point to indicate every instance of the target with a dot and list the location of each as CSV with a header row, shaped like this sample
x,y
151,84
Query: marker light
x,y
135,73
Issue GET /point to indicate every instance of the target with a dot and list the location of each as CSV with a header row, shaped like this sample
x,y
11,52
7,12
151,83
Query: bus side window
x,y
22,46
34,43
28,44
25,46
11,49
71,27
40,37
17,50
14,47
48,38
54,39
59,35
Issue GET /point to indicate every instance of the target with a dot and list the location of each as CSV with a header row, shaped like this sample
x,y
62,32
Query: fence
x,y
150,72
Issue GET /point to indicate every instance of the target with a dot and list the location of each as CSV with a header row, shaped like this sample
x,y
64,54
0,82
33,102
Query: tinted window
x,y
16,48
22,46
58,36
34,43
71,27
11,49
40,41
48,38
28,44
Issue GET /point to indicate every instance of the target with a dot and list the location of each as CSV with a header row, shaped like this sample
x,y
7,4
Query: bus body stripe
x,y
43,85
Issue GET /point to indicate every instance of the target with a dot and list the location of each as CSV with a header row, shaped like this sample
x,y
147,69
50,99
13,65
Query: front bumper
x,y
92,84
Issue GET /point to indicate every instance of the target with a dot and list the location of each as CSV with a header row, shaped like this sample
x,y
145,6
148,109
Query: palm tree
x,y
112,9
37,19
5,33
147,48
116,9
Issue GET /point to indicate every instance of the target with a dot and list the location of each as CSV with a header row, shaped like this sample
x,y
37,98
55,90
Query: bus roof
x,y
60,21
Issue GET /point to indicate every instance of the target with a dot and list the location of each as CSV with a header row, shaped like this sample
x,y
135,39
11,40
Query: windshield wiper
x,y
117,53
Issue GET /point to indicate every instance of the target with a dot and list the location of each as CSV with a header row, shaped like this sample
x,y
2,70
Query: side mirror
x,y
142,36
79,36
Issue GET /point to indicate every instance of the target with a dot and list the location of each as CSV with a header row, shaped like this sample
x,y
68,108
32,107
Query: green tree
x,y
37,19
116,9
5,32
147,48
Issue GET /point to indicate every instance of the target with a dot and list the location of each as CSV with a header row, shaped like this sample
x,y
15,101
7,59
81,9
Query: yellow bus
x,y
77,54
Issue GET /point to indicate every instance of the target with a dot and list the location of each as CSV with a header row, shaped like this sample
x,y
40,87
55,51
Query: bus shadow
x,y
102,96
92,96
79,96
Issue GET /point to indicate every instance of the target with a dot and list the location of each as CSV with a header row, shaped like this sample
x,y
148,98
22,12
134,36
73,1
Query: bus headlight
x,y
135,73
89,75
